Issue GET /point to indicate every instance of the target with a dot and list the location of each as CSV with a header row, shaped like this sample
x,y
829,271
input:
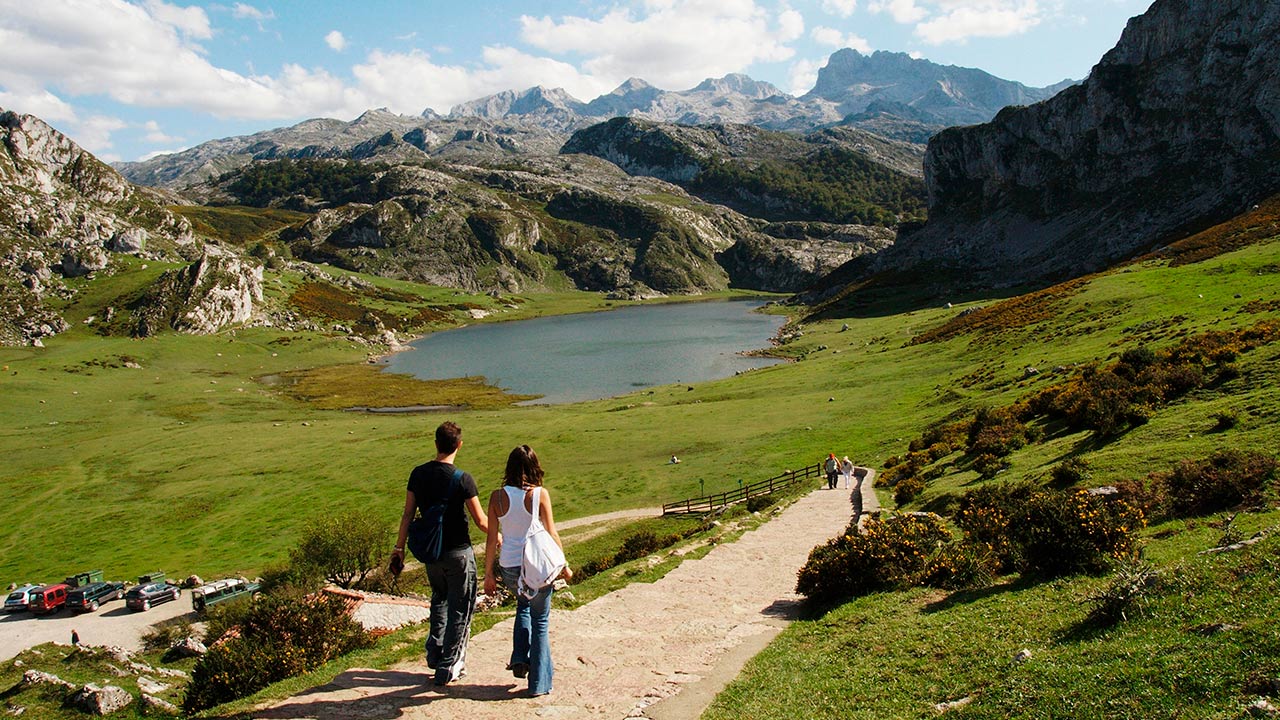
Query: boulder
x,y
192,581
152,705
188,647
31,678
128,240
100,700
147,685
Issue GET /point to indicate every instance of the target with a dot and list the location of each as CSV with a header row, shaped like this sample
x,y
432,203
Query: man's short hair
x,y
448,438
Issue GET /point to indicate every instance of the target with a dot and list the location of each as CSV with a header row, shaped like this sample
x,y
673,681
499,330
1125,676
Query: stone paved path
x,y
619,654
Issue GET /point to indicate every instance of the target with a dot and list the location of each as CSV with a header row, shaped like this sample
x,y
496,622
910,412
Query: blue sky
x,y
133,78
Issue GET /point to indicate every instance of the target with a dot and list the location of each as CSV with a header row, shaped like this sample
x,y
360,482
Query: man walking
x,y
453,576
832,467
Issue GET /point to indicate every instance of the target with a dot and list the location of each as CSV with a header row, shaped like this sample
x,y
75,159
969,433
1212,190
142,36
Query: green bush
x,y
276,639
1066,533
1225,421
890,552
1070,472
343,548
960,566
988,465
1227,479
908,489
756,503
987,517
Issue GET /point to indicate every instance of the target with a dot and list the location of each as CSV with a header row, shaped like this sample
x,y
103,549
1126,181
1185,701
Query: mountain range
x,y
890,94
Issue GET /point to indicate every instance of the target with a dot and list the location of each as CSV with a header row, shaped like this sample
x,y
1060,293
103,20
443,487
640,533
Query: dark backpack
x,y
426,532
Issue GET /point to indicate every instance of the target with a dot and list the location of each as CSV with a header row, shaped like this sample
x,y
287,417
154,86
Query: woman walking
x,y
521,501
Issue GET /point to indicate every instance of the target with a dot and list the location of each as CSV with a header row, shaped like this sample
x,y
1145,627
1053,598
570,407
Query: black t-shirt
x,y
429,484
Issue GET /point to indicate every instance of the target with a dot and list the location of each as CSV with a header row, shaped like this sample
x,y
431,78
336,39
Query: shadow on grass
x,y
964,597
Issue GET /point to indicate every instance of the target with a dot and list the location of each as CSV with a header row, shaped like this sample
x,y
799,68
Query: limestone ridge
x,y
917,89
555,222
1176,127
64,213
886,93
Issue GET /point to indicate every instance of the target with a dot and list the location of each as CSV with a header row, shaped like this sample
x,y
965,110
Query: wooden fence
x,y
709,503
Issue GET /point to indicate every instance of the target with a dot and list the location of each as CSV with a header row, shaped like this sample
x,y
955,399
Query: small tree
x,y
343,548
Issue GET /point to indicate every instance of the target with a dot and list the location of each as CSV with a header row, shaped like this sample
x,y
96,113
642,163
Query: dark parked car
x,y
89,597
143,597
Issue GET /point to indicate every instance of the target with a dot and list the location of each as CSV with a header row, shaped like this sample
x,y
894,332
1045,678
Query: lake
x,y
570,358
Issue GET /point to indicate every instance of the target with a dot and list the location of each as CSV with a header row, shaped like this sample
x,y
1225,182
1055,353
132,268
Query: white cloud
x,y
803,75
242,11
41,103
145,57
942,21
842,8
671,43
902,11
979,19
835,38
335,41
94,135
156,135
192,21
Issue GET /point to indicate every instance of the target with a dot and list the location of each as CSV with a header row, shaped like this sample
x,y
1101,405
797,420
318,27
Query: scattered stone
x,y
188,647
152,704
117,671
1022,656
147,685
32,678
18,663
100,700
953,705
1104,490
16,710
1029,372
1263,708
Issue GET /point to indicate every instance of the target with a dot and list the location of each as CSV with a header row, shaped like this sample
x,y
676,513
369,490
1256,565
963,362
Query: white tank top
x,y
515,525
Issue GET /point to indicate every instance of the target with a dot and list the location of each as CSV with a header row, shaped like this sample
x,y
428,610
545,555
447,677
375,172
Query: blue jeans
x,y
453,597
529,641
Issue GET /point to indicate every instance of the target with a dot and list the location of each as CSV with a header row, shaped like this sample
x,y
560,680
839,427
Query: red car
x,y
48,599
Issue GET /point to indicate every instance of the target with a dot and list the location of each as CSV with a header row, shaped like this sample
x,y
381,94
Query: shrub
x,y
343,548
1225,480
1065,533
988,466
888,553
278,638
1070,472
1128,593
1225,421
1150,495
960,566
639,545
907,490
756,503
987,516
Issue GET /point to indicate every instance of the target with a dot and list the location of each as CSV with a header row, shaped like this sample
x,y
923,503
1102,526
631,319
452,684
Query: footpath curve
x,y
619,655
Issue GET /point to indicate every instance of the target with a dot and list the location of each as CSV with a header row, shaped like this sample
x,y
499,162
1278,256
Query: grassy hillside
x,y
188,461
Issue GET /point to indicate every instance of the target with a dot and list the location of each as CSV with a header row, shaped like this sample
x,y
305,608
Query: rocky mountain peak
x,y
1177,127
739,84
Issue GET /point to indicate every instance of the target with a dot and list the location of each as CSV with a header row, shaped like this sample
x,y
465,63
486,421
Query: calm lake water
x,y
570,358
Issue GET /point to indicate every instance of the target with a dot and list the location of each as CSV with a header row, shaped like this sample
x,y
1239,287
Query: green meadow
x,y
207,454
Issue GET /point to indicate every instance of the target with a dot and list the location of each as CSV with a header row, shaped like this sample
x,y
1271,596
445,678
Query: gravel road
x,y
112,624
619,655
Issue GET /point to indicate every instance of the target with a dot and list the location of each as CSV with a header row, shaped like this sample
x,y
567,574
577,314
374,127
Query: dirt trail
x,y
620,654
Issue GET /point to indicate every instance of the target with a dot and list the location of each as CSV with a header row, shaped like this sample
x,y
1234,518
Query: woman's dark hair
x,y
522,468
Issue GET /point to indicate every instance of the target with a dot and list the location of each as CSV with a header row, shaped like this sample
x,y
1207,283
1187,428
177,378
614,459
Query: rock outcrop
x,y
1176,128
215,291
64,213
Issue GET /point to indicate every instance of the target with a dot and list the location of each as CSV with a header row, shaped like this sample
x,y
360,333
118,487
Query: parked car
x,y
89,597
19,599
142,597
220,591
48,599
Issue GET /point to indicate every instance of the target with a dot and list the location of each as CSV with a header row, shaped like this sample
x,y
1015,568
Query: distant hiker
x,y
75,638
846,471
832,466
453,575
512,509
